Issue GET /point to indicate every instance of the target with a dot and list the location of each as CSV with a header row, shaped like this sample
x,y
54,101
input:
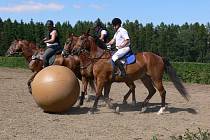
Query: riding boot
x,y
119,64
113,72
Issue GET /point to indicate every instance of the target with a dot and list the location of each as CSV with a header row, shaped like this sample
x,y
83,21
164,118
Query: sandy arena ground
x,y
21,118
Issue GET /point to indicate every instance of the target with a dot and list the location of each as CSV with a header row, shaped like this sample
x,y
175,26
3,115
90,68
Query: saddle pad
x,y
130,58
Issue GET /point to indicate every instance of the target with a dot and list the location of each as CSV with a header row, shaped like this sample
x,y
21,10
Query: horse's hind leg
x,y
132,87
159,85
146,80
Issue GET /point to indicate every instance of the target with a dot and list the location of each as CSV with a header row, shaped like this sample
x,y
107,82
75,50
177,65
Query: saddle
x,y
127,59
39,55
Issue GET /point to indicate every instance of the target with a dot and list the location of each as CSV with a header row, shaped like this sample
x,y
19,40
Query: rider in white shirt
x,y
122,41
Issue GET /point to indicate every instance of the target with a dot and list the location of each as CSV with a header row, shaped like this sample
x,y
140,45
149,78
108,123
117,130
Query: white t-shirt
x,y
104,32
120,36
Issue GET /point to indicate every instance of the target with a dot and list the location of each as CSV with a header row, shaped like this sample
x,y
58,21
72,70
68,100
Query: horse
x,y
70,42
149,68
29,49
86,70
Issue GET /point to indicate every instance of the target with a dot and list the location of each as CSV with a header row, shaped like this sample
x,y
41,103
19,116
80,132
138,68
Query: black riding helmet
x,y
116,21
49,23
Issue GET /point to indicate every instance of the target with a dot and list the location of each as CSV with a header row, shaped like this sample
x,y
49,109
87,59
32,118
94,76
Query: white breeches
x,y
120,53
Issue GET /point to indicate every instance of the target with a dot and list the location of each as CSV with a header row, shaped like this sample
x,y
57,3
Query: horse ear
x,y
88,32
14,36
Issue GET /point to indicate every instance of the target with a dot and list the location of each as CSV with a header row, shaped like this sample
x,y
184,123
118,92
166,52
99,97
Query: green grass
x,y
188,72
13,62
193,72
188,135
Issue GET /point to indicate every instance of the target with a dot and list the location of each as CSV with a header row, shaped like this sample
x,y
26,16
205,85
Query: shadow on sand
x,y
152,108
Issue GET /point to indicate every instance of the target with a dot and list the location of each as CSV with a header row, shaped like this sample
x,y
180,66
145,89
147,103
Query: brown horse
x,y
148,67
28,49
86,69
70,42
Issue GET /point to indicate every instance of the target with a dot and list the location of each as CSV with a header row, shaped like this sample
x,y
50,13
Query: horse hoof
x,y
133,103
125,102
117,110
143,109
78,106
161,111
110,106
87,98
90,112
30,91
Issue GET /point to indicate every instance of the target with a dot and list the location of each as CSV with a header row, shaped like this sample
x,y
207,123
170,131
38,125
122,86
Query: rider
x,y
52,42
101,34
122,43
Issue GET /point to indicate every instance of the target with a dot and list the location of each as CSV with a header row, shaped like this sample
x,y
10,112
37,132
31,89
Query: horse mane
x,y
29,48
95,50
31,44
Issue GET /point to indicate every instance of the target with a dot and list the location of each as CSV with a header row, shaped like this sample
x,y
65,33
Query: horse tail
x,y
175,79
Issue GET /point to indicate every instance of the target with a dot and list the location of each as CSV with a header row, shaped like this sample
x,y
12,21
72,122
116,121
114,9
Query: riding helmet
x,y
116,21
49,23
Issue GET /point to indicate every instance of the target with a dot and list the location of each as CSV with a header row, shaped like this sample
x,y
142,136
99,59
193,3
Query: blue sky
x,y
145,11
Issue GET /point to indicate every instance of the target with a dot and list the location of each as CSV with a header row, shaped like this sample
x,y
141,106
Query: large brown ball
x,y
55,89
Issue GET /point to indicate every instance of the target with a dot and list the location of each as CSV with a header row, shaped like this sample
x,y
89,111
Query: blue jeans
x,y
49,52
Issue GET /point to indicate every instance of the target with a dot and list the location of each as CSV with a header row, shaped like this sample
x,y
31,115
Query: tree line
x,y
183,43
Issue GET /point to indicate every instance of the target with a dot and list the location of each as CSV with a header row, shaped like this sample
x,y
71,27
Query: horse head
x,y
14,48
84,43
69,44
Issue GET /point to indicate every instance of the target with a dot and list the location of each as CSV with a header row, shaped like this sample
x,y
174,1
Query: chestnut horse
x,y
70,42
148,67
28,49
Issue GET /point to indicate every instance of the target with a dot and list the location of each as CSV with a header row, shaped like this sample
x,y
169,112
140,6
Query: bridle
x,y
86,52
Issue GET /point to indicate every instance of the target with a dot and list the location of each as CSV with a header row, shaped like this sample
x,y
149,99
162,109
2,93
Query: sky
x,y
145,11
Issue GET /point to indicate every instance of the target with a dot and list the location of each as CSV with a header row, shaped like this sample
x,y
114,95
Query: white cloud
x,y
31,6
92,6
77,6
96,6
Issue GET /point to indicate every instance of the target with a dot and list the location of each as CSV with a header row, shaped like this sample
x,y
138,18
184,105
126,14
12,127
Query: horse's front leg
x,y
107,88
99,88
84,91
29,82
132,87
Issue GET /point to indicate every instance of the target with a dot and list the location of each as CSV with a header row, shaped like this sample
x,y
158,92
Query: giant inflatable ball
x,y
55,89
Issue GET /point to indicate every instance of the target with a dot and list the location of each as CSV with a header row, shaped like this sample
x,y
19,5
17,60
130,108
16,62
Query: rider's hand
x,y
109,47
65,53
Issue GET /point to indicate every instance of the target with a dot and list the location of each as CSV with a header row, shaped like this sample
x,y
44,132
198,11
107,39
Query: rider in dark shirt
x,y
101,35
52,42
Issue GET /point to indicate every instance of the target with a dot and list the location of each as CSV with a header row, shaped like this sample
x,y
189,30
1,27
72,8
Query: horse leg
x,y
107,88
132,87
84,91
159,85
29,82
99,88
146,80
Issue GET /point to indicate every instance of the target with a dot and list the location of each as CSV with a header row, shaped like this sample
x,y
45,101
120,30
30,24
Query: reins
x,y
92,59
